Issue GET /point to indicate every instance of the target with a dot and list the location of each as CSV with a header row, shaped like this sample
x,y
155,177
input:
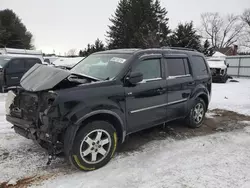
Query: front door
x,y
14,72
146,101
180,84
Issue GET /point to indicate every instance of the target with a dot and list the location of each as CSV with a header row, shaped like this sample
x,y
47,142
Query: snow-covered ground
x,y
234,96
218,160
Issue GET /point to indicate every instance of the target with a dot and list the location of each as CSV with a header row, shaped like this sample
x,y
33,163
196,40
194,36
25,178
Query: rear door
x,y
201,72
146,101
180,84
14,71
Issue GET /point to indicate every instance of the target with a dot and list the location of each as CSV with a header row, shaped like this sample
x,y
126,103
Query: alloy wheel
x,y
95,146
198,113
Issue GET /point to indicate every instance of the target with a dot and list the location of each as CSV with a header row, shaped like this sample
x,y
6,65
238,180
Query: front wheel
x,y
196,114
94,146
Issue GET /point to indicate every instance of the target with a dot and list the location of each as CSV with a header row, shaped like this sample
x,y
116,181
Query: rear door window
x,y
31,62
16,64
199,66
177,66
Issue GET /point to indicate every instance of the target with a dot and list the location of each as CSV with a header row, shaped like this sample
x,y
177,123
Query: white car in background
x,y
218,67
66,62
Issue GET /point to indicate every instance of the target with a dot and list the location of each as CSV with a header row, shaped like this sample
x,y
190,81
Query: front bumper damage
x,y
218,74
34,118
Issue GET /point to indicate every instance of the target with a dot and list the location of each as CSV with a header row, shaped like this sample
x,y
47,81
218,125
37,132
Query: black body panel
x,y
66,105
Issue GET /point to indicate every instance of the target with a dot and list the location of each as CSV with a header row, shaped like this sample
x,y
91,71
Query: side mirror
x,y
227,65
134,78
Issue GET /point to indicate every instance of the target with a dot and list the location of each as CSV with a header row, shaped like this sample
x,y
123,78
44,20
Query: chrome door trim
x,y
158,106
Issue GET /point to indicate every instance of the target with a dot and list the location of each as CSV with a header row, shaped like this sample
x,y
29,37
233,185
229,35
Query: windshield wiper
x,y
87,76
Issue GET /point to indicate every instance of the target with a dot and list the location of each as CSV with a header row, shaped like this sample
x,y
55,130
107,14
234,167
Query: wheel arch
x,y
105,115
204,97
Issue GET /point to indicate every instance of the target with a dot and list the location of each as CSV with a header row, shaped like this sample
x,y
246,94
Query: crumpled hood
x,y
41,77
217,64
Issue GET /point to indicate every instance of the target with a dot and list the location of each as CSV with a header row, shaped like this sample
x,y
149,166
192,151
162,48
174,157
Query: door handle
x,y
161,90
191,83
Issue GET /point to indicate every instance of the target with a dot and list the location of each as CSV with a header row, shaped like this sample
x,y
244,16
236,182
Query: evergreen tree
x,y
99,46
96,47
138,24
81,53
13,33
207,49
186,36
162,22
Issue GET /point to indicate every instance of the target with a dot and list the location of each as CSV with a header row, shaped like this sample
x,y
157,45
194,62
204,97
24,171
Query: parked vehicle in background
x,y
66,62
13,67
88,111
22,53
50,59
219,69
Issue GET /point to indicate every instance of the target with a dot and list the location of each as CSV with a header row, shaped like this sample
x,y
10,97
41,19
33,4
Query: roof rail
x,y
178,48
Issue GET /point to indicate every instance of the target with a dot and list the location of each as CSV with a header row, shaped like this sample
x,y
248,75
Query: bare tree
x,y
72,52
245,41
222,32
246,17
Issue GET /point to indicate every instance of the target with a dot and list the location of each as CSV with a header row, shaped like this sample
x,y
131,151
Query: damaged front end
x,y
219,74
216,72
34,109
34,116
218,69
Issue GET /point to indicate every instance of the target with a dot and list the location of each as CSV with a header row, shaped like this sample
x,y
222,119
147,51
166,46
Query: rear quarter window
x,y
199,66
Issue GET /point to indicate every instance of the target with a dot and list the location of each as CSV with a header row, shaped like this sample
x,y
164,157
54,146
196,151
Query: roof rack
x,y
178,48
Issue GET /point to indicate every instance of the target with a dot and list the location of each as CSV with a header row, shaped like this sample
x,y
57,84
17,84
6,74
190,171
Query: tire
x,y
94,146
194,120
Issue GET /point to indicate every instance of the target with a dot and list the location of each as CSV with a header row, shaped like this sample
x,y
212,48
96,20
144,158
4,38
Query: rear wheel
x,y
94,146
197,114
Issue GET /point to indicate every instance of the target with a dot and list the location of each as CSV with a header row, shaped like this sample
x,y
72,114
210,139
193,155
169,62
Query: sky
x,y
61,25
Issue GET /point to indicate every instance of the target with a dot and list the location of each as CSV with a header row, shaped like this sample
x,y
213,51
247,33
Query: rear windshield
x,y
3,61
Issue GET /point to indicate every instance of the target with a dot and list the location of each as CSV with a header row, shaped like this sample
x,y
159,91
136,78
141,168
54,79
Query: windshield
x,y
3,61
101,66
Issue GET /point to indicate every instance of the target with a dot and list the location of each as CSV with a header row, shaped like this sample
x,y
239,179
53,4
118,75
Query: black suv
x,y
88,111
12,68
